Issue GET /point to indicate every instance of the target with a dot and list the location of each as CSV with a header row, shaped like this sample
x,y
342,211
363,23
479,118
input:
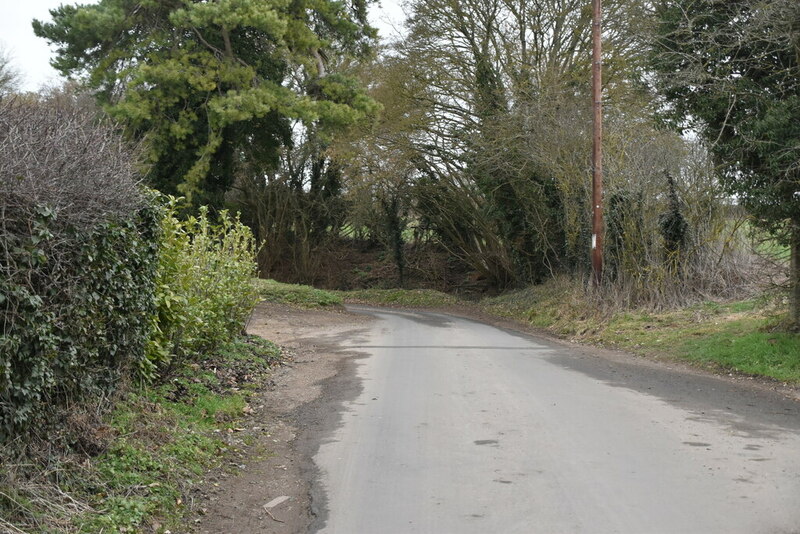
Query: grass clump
x,y
750,346
296,295
729,337
554,305
130,470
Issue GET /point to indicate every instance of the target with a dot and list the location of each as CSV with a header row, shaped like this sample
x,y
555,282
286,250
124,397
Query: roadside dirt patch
x,y
265,489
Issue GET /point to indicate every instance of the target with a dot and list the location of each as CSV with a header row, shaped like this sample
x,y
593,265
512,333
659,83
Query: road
x,y
461,427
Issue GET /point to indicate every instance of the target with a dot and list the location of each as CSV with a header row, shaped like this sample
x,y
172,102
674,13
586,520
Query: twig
x,y
11,528
272,516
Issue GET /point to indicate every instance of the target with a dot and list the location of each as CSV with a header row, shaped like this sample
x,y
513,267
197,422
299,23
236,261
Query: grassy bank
x,y
296,295
744,336
131,469
740,336
410,298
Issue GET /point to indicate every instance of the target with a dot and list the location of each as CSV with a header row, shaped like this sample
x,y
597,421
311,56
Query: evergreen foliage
x,y
674,228
213,85
78,257
731,70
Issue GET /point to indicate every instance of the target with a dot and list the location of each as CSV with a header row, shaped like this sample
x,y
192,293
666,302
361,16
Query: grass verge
x,y
411,298
129,470
740,336
296,294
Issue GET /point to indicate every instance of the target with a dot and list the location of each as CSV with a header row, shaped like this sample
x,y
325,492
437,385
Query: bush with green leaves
x,y
204,288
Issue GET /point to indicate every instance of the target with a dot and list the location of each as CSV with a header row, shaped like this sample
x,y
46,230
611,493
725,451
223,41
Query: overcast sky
x,y
30,55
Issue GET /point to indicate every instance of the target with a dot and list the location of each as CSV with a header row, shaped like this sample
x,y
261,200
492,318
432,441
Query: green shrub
x,y
204,289
83,308
98,283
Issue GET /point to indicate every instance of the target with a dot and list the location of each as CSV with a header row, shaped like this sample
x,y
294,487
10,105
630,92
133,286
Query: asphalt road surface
x,y
461,427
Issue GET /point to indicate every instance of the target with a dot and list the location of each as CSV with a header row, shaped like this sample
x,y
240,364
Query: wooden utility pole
x,y
597,145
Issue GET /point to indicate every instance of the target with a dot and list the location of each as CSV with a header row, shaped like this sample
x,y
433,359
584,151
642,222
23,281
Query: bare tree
x,y
9,75
487,124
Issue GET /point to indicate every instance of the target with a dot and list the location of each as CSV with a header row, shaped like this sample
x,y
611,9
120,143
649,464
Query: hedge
x,y
100,282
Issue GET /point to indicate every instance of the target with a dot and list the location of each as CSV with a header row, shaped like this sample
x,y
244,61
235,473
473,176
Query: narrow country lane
x,y
462,427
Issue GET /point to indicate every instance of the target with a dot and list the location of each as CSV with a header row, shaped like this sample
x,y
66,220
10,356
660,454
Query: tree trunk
x,y
794,277
226,39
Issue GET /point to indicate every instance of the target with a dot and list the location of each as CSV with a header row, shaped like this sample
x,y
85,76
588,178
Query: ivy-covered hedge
x,y
132,298
78,257
100,283
72,327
